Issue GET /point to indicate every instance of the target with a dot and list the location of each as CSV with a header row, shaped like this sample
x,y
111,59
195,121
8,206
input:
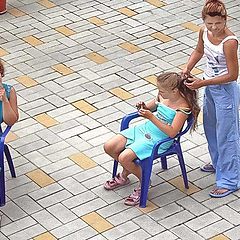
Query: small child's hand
x,y
145,113
2,94
141,105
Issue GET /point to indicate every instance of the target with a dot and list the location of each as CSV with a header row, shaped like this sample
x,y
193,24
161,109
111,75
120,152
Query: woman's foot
x,y
116,182
134,198
220,192
207,168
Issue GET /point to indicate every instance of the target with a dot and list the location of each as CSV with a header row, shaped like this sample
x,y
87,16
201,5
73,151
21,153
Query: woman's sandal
x,y
207,168
116,182
134,198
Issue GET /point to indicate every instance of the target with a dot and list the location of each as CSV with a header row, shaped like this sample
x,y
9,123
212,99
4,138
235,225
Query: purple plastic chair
x,y
4,150
146,164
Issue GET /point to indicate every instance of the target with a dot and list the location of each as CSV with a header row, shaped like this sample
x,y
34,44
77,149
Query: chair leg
x,y
115,166
182,165
9,160
146,174
164,162
2,182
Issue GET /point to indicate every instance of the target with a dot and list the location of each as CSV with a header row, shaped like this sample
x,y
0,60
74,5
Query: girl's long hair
x,y
1,68
174,80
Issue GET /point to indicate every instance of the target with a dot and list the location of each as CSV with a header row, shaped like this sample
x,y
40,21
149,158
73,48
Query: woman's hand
x,y
193,83
145,113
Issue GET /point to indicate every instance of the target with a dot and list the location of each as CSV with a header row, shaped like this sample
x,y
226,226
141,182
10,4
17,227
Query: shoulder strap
x,y
7,89
184,110
228,38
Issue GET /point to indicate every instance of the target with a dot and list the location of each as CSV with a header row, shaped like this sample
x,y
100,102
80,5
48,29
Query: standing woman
x,y
8,101
221,99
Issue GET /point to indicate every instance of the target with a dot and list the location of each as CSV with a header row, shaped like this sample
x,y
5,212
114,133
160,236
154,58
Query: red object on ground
x,y
3,6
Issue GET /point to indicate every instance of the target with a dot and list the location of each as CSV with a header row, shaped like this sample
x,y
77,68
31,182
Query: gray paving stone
x,y
185,233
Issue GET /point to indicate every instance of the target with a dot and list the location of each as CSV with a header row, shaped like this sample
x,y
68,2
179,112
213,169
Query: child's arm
x,y
10,109
151,105
170,130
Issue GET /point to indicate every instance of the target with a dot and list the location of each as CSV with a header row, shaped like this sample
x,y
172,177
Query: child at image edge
x,y
221,98
8,101
174,103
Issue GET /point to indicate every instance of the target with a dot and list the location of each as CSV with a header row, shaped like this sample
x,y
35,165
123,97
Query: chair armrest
x,y
126,120
4,134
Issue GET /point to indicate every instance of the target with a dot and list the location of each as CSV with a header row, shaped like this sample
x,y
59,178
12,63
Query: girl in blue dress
x,y
173,104
8,101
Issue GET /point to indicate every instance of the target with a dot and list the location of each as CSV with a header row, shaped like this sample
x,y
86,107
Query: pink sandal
x,y
116,182
134,198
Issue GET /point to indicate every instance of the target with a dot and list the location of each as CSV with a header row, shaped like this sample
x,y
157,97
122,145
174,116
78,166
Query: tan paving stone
x,y
178,183
40,178
97,222
32,40
121,93
11,137
130,47
83,161
65,30
3,52
156,3
47,3
219,237
46,120
149,208
62,69
84,106
45,236
152,79
191,26
96,57
97,21
126,11
26,81
162,37
16,12
195,71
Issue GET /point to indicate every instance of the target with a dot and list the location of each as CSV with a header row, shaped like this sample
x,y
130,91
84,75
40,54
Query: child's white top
x,y
216,60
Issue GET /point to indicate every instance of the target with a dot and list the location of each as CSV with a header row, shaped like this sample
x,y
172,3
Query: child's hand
x,y
141,105
145,113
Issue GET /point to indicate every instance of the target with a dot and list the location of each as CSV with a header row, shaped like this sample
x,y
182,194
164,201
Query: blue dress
x,y
141,138
7,90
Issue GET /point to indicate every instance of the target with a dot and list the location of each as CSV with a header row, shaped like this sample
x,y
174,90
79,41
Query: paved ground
x,y
78,66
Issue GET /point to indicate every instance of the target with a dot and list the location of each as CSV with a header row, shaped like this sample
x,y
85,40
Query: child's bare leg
x,y
115,146
126,159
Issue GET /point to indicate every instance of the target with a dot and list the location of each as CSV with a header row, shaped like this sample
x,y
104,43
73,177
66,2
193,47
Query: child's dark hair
x,y
173,80
214,8
1,68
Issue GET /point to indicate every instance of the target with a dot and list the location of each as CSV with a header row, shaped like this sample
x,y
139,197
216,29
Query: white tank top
x,y
216,60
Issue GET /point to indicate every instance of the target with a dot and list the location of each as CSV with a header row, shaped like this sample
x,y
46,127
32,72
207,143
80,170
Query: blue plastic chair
x,y
4,150
146,164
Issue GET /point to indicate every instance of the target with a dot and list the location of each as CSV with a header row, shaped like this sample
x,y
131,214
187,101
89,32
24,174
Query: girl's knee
x,y
108,147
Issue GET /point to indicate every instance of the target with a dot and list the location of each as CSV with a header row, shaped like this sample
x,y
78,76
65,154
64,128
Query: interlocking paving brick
x,y
83,161
97,222
3,52
130,47
220,237
65,30
46,120
16,12
162,37
62,69
84,106
97,21
127,11
45,236
32,40
96,57
26,81
41,178
191,26
121,93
